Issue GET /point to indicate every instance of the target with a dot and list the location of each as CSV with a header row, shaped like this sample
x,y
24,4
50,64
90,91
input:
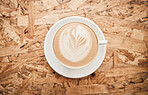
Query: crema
x,y
75,44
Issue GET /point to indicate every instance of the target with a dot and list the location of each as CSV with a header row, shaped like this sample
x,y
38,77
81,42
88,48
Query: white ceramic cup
x,y
48,43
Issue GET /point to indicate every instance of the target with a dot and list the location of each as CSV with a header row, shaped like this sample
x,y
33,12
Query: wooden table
x,y
24,69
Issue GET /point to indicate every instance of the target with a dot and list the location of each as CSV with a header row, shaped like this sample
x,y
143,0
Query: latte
x,y
75,44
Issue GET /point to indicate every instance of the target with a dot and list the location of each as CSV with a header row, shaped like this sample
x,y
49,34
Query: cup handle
x,y
102,42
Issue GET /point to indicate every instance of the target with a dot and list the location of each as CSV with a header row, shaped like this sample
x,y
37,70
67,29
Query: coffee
x,y
75,44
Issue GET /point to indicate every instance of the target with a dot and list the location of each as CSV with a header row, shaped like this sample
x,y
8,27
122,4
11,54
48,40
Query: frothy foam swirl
x,y
75,43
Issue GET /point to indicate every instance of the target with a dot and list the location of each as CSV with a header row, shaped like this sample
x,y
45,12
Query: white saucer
x,y
55,63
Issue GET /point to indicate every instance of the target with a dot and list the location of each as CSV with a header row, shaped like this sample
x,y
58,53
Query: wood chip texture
x,y
24,69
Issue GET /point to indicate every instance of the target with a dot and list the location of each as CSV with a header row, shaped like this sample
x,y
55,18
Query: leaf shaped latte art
x,y
75,43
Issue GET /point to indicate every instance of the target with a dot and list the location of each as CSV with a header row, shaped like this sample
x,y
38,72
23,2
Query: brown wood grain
x,y
24,69
125,71
31,19
91,89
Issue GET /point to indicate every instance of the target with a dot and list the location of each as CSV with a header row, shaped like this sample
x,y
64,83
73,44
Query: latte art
x,y
75,43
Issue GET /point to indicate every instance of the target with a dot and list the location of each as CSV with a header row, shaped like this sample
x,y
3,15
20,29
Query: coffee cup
x,y
74,42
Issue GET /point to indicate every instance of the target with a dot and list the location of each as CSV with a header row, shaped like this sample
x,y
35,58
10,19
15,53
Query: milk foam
x,y
75,43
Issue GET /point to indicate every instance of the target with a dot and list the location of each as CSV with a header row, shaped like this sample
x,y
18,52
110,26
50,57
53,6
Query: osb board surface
x,y
25,71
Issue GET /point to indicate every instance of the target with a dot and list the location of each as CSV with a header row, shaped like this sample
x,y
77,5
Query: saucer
x,y
70,72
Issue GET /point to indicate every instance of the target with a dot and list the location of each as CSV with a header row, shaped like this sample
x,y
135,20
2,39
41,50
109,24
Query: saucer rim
x,y
56,66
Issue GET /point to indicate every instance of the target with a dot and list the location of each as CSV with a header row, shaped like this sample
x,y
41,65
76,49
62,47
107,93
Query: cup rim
x,y
59,24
